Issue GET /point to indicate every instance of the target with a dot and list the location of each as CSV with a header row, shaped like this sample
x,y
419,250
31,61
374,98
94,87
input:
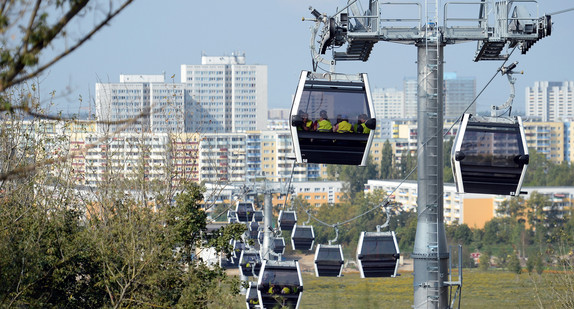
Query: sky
x,y
157,37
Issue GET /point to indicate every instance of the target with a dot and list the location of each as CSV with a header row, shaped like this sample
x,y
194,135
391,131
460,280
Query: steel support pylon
x,y
430,251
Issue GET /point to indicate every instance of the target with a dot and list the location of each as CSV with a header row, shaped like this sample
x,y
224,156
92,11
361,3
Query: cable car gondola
x,y
278,245
231,216
490,155
287,220
250,263
244,211
378,254
319,101
302,237
280,284
238,247
258,216
251,297
260,236
253,229
329,261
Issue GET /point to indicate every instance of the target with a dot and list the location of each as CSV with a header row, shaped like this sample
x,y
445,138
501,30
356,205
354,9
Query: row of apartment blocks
x,y
235,157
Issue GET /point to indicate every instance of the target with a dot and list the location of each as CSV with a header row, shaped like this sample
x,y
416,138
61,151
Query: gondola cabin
x,y
251,297
258,216
238,247
278,245
303,237
287,220
244,211
378,254
329,261
253,229
280,284
332,119
231,216
260,237
490,155
250,263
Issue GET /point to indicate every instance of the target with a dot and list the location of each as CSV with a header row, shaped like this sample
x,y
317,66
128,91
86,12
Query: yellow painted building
x,y
547,138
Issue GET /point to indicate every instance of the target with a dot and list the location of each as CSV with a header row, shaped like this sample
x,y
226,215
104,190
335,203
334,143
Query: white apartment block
x,y
222,94
410,87
550,101
239,157
388,103
459,92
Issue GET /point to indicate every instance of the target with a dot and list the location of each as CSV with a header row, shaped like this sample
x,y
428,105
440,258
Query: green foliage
x,y
539,264
387,169
514,263
530,265
484,261
542,172
355,177
122,254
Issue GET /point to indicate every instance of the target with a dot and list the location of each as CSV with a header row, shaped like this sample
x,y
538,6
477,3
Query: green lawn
x,y
492,289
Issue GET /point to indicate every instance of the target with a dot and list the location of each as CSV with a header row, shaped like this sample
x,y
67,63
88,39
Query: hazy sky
x,y
153,37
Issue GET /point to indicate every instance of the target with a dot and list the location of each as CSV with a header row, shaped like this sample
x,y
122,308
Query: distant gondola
x,y
329,260
302,237
244,211
321,100
280,284
287,220
278,245
250,263
490,155
258,216
378,254
251,297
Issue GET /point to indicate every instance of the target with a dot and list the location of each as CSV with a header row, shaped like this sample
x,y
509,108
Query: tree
x,y
355,177
29,28
484,261
514,263
530,265
513,207
387,161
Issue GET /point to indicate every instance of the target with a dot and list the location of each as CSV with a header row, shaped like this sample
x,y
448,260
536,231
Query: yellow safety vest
x,y
307,124
344,127
365,129
324,126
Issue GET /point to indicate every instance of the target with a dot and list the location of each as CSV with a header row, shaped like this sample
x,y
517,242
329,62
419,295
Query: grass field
x,y
492,289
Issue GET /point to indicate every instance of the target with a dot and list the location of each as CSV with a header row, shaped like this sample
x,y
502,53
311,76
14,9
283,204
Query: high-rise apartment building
x,y
550,101
389,103
459,92
224,94
221,95
410,87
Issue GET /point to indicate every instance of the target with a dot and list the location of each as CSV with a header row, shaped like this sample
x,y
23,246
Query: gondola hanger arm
x,y
331,241
508,71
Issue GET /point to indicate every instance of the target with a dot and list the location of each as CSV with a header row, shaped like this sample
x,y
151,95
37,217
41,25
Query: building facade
x,y
550,101
222,94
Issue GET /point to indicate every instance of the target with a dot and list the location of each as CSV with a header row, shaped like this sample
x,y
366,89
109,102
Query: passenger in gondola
x,y
362,127
306,123
343,126
323,124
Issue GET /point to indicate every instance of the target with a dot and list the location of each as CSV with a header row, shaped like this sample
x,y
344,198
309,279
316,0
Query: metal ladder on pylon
x,y
433,41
